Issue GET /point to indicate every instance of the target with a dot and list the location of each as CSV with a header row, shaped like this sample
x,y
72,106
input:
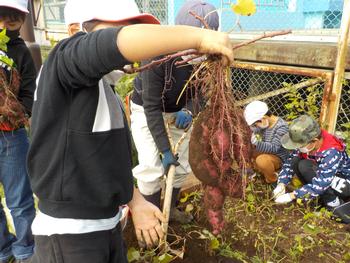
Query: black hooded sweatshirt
x,y
80,157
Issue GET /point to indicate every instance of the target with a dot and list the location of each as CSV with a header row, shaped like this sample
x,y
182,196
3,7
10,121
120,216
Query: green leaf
x,y
347,256
165,258
133,254
4,39
214,244
250,198
309,215
312,229
8,61
185,198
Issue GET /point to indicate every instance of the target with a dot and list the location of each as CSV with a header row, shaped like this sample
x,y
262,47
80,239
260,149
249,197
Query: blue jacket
x,y
331,159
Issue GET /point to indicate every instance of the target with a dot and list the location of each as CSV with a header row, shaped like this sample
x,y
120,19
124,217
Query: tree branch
x,y
272,34
200,19
129,69
153,63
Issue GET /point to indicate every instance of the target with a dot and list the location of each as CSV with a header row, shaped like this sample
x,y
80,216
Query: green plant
x,y
217,245
192,201
135,255
125,85
300,104
346,135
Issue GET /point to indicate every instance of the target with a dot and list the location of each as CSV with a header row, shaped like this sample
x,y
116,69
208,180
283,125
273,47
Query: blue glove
x,y
183,119
169,159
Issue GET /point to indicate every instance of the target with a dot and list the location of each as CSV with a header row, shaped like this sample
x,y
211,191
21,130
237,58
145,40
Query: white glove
x,y
279,190
284,199
254,139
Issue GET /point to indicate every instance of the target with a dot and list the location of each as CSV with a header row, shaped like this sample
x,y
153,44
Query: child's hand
x,y
214,42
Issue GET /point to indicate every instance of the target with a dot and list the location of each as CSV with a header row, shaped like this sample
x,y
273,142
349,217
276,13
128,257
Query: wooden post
x,y
339,67
27,33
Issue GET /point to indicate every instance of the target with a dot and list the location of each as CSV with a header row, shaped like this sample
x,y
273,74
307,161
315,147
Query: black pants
x,y
306,170
96,247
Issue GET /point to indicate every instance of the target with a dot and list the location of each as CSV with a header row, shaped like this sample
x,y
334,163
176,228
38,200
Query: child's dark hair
x,y
269,113
12,14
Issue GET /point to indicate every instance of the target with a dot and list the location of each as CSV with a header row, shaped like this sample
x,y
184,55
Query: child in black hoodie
x,y
80,156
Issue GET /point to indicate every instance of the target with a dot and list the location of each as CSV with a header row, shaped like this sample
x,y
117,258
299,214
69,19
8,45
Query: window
x,y
54,13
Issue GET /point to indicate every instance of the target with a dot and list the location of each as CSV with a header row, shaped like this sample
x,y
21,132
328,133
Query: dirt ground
x,y
196,250
258,231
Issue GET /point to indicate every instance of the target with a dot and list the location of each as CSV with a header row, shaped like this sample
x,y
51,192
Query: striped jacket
x,y
330,159
271,139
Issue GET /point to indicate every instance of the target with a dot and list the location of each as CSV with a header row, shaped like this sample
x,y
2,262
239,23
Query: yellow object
x,y
296,182
244,7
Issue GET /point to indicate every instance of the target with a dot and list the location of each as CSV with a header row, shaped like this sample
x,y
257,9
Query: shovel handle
x,y
167,198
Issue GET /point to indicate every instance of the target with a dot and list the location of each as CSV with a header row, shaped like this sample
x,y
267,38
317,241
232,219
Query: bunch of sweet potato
x,y
221,170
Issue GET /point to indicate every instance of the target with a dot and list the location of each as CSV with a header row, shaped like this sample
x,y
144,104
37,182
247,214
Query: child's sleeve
x,y
153,83
28,85
326,171
85,59
286,173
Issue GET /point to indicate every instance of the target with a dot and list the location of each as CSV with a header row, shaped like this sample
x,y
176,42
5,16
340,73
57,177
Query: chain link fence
x,y
344,109
159,8
288,95
343,121
310,16
314,16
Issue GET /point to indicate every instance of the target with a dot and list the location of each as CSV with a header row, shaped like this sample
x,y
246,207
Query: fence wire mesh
x,y
158,8
307,15
343,121
321,16
287,95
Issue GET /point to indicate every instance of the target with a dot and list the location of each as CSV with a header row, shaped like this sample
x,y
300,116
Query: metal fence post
x,y
339,68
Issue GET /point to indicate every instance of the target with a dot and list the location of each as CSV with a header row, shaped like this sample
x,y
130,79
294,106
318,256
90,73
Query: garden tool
x,y
170,180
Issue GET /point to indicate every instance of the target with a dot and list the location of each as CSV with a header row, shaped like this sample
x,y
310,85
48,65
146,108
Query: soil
x,y
264,232
196,250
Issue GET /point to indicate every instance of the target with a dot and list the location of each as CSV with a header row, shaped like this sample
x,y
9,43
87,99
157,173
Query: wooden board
x,y
307,54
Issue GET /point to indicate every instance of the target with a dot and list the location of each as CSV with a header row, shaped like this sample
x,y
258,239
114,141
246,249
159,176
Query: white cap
x,y
72,14
255,111
113,11
20,5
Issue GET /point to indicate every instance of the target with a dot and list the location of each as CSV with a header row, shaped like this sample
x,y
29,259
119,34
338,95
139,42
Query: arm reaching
x,y
147,218
141,41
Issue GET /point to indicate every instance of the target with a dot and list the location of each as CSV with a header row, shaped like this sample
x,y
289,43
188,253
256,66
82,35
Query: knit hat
x,y
200,8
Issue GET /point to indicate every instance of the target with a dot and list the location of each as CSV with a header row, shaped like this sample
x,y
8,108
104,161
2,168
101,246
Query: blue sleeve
x,y
286,173
326,171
